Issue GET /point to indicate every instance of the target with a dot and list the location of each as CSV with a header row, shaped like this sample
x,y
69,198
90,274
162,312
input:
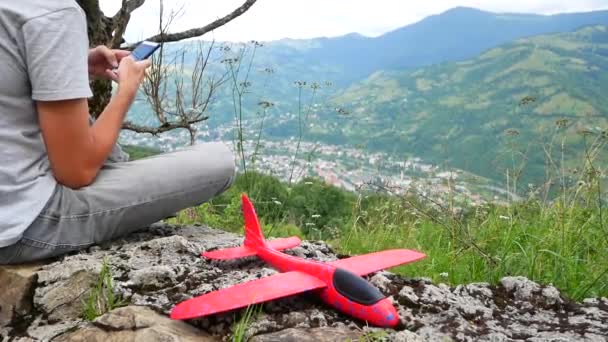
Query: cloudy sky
x,y
276,19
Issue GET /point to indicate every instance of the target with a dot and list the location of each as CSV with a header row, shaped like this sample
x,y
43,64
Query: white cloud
x,y
275,19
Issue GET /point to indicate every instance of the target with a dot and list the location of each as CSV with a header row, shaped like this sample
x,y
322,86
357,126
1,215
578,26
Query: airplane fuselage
x,y
345,290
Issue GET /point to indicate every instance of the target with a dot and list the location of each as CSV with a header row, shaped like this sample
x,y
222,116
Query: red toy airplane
x,y
338,283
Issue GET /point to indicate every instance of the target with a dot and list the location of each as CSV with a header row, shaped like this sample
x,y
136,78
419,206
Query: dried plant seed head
x,y
512,132
527,100
561,123
585,132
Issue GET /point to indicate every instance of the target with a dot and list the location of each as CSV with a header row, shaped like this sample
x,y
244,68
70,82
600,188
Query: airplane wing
x,y
244,251
369,263
242,295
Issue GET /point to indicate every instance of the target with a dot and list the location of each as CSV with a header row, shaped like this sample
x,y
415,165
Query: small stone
x,y
381,282
406,336
295,318
591,301
94,249
479,289
552,295
522,287
423,280
260,325
152,278
408,297
436,295
317,319
17,291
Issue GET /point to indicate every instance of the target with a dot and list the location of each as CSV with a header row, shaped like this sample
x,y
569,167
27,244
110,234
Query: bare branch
x,y
121,19
190,101
132,5
162,128
196,32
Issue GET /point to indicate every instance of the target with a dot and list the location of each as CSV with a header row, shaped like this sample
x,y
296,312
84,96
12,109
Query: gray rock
x,y
135,323
62,300
162,266
309,335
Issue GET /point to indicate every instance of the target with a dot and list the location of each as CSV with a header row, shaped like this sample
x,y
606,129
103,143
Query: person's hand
x,y
131,73
102,60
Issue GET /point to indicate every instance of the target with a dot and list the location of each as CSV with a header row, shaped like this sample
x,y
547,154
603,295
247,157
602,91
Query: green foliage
x,y
101,298
318,208
280,230
139,152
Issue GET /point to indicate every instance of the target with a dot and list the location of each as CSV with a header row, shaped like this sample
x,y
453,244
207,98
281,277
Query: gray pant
x,y
125,197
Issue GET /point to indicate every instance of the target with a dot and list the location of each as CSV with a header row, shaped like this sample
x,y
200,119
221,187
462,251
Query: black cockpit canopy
x,y
356,288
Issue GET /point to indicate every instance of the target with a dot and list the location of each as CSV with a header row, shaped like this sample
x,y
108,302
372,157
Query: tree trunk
x,y
99,29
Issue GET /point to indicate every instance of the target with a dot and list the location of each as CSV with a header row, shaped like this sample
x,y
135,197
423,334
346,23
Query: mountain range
x,y
469,114
446,88
454,35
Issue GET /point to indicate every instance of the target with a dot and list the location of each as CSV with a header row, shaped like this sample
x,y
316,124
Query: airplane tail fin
x,y
254,238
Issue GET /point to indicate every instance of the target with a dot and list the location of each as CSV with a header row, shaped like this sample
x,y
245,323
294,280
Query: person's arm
x,y
56,52
76,150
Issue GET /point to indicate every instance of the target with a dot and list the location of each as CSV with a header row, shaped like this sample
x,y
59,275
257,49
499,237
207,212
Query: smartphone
x,y
144,50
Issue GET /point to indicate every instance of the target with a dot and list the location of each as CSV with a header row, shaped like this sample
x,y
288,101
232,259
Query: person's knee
x,y
225,163
212,162
229,168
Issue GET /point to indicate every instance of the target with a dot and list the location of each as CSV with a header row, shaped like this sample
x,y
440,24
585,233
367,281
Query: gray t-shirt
x,y
43,57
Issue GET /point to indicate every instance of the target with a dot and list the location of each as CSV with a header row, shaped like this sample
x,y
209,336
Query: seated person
x,y
61,186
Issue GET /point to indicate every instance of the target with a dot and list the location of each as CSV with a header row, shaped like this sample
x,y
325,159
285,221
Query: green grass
x,y
563,242
526,240
101,298
240,327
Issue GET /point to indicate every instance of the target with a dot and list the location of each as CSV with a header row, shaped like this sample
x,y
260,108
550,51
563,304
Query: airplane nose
x,y
389,316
